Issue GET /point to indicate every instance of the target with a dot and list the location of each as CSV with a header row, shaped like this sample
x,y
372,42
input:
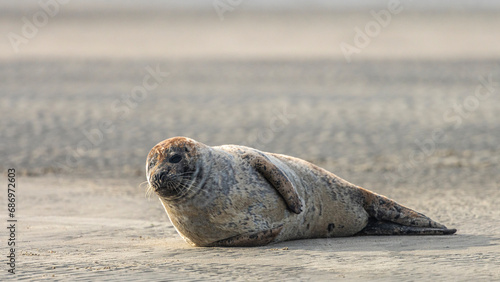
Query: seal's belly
x,y
247,211
240,206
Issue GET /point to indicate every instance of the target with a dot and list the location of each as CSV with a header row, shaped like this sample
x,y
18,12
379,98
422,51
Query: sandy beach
x,y
413,116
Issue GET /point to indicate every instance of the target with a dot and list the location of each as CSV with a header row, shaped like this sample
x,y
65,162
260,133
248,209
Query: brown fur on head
x,y
171,164
161,149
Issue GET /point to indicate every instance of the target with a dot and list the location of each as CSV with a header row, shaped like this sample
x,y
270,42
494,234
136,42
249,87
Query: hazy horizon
x,y
458,5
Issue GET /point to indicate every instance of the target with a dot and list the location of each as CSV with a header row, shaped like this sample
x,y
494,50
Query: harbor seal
x,y
238,196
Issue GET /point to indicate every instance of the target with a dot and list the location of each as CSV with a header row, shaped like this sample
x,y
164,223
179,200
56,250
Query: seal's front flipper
x,y
380,227
384,209
277,178
249,240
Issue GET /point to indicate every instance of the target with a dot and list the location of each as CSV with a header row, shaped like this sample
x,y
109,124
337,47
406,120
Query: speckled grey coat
x,y
238,196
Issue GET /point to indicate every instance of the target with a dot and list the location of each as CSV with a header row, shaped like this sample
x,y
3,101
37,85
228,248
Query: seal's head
x,y
173,167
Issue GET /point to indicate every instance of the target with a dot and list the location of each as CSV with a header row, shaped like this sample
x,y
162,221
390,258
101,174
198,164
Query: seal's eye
x,y
175,159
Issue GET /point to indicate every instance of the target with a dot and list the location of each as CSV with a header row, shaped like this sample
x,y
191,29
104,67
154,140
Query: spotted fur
x,y
238,196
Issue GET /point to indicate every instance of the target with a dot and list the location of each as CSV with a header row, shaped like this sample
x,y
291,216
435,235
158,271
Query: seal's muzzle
x,y
165,184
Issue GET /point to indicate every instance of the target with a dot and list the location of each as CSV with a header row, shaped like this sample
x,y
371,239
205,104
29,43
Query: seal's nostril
x,y
160,178
163,176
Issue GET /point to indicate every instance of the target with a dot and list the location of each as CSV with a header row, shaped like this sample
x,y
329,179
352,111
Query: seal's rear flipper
x,y
249,240
386,210
378,227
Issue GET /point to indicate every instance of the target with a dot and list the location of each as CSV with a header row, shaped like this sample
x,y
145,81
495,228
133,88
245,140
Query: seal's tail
x,y
390,218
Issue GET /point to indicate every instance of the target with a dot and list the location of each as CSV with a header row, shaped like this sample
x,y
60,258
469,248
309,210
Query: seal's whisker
x,y
184,185
148,188
142,183
183,173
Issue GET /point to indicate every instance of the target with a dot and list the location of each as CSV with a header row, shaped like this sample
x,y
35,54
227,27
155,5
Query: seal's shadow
x,y
391,243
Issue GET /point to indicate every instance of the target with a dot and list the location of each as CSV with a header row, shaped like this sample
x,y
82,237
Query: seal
x,y
238,196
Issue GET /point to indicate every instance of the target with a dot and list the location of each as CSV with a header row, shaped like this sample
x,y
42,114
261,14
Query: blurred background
x,y
386,92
